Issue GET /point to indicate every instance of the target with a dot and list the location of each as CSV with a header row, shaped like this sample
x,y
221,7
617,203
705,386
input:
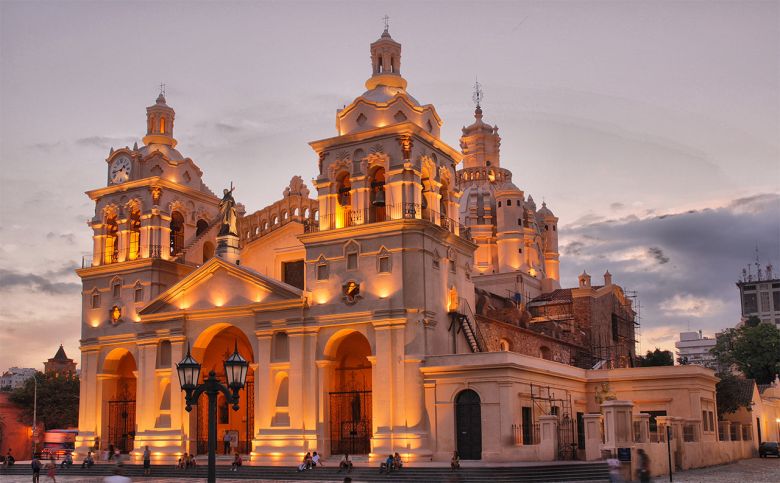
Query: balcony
x,y
400,211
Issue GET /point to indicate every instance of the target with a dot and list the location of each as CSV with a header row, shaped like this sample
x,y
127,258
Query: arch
x,y
276,220
118,400
344,187
330,348
282,390
201,226
177,233
134,231
113,358
297,211
111,242
285,215
210,349
503,345
377,212
545,353
162,125
468,424
208,251
306,213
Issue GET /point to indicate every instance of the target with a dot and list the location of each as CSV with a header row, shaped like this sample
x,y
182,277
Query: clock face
x,y
120,170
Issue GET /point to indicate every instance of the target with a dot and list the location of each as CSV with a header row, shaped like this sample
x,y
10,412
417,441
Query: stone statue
x,y
603,393
227,210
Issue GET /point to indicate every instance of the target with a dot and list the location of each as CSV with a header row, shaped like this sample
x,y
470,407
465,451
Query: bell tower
x,y
159,122
386,62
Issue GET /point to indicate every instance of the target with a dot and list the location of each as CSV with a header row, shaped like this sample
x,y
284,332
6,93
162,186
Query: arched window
x,y
162,125
164,354
444,191
345,189
377,211
177,233
545,353
503,345
208,251
297,212
134,234
201,226
392,64
111,248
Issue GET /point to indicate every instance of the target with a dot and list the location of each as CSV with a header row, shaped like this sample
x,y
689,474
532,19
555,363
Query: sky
x,y
651,129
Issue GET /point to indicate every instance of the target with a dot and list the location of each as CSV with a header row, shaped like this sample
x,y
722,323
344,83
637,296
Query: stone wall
x,y
525,341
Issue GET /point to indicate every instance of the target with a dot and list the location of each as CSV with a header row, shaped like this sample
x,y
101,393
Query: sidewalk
x,y
755,470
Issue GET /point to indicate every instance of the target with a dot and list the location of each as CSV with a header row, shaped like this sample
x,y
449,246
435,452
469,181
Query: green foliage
x,y
728,395
753,349
58,401
655,358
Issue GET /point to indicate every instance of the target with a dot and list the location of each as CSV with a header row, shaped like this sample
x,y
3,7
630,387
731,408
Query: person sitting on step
x,y
455,461
236,462
387,465
397,463
345,464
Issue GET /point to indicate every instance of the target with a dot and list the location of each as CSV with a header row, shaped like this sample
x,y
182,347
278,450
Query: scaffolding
x,y
545,402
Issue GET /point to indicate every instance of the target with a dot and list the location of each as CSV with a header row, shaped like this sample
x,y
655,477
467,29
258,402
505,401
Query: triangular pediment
x,y
219,284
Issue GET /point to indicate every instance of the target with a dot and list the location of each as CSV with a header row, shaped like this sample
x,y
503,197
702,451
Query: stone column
x,y
89,403
146,386
324,368
381,400
644,427
264,384
548,434
618,427
593,436
177,395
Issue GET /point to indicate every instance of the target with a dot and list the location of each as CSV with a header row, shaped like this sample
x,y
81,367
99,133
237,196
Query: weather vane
x,y
478,95
386,18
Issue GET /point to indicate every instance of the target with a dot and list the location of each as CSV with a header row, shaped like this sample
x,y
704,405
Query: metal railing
x,y
400,211
525,436
154,251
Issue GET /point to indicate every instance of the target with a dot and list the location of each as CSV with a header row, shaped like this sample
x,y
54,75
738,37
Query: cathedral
x,y
409,301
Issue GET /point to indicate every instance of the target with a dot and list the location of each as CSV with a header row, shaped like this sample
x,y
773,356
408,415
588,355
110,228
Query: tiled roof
x,y
60,355
559,295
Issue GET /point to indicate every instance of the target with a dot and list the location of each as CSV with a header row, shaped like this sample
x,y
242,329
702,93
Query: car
x,y
768,448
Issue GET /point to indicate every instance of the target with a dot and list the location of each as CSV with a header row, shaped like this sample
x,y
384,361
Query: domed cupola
x,y
159,123
386,101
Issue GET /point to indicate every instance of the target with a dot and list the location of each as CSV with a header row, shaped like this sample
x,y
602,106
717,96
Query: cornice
x,y
151,181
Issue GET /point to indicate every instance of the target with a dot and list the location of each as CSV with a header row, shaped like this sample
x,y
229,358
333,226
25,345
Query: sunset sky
x,y
652,130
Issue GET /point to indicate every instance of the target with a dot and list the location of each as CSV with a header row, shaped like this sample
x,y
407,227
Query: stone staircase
x,y
533,472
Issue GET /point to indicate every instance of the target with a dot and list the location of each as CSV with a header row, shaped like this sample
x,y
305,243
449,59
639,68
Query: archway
x,y
119,389
350,396
211,349
468,425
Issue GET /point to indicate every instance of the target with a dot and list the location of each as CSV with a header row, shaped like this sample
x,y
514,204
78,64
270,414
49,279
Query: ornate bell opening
x,y
344,196
379,195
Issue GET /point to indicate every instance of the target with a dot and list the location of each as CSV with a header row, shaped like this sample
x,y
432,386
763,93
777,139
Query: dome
x,y
383,94
167,151
545,212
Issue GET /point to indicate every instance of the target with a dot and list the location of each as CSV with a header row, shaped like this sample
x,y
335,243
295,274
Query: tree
x,y
655,358
732,393
58,401
753,349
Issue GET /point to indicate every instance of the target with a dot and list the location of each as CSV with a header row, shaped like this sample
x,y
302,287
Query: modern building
x,y
694,348
361,310
60,365
759,293
15,377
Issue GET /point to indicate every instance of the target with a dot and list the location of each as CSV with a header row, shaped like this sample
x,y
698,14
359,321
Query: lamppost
x,y
189,373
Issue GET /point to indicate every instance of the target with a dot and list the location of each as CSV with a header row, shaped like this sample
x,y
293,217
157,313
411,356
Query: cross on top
x,y
162,89
477,96
386,18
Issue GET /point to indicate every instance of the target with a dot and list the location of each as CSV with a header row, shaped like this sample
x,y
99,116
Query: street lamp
x,y
235,372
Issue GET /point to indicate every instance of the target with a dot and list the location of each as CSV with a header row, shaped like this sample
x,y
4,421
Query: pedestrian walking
x,y
644,466
226,443
51,470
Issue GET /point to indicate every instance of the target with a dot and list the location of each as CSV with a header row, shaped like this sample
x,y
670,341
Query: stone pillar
x,y
548,434
324,368
146,386
227,248
381,400
644,427
618,427
177,395
89,404
309,378
593,436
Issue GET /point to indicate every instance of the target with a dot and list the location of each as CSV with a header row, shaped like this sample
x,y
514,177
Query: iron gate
x,y
350,422
121,425
246,402
567,445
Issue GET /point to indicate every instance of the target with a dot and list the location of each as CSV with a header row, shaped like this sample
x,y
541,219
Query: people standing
x,y
51,470
233,441
35,464
147,462
226,443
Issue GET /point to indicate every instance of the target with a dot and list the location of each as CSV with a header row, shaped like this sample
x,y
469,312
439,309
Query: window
x,y
292,273
499,204
436,263
503,345
139,294
134,225
509,202
384,264
519,250
177,233
750,303
322,271
352,261
111,248
116,290
546,228
281,347
519,222
95,300
764,301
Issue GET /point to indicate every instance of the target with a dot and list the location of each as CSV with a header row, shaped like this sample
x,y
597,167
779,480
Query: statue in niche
x,y
603,393
227,210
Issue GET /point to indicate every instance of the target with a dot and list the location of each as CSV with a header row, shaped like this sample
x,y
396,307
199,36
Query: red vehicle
x,y
58,442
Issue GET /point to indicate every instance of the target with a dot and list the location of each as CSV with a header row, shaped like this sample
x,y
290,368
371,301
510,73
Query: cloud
x,y
691,306
617,206
683,263
105,141
10,279
70,238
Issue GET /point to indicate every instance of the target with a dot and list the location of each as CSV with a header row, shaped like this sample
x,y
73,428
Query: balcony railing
x,y
399,211
154,251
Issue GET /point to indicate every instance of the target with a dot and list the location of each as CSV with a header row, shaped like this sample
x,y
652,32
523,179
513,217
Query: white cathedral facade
x,y
354,308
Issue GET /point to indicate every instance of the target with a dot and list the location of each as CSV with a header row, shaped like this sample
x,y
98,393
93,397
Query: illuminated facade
x,y
355,309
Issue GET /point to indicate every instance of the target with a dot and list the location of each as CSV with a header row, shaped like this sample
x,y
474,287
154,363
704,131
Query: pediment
x,y
219,284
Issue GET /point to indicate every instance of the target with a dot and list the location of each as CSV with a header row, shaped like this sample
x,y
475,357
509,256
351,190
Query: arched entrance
x,y
119,385
350,397
468,425
212,348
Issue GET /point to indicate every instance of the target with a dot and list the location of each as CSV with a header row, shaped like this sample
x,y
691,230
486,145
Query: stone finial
x,y
584,279
607,278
